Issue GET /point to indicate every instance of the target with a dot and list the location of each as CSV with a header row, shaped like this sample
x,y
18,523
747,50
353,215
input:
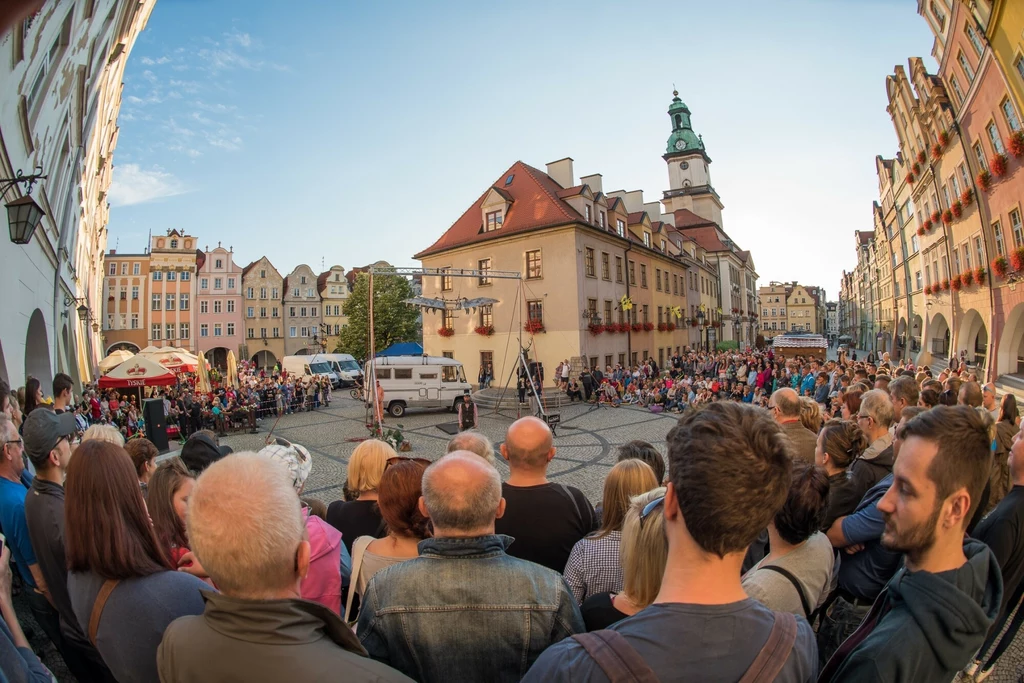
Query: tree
x,y
393,321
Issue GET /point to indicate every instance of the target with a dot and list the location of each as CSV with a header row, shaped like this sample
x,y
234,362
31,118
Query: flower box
x,y
910,178
693,323
967,278
944,137
637,327
648,327
936,216
1016,144
662,327
947,216
927,225
595,329
998,165
611,328
957,209
716,324
1000,266
1017,259
936,152
946,284
533,326
979,275
984,180
967,197
917,168
927,289
446,331
957,283
921,158
485,330
920,230
671,327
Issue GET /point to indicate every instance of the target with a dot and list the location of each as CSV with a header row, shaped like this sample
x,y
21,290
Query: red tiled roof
x,y
706,237
535,204
688,219
744,255
245,271
200,259
570,191
865,236
635,217
321,281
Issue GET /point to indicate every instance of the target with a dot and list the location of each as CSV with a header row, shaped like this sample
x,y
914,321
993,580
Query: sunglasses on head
x,y
399,458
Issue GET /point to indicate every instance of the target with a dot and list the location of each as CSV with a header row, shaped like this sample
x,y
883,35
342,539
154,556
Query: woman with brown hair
x,y
122,585
839,444
593,565
143,453
400,491
169,489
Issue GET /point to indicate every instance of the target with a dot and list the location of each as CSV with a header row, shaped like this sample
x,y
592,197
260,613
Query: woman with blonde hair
x,y
643,552
104,433
810,414
361,516
593,565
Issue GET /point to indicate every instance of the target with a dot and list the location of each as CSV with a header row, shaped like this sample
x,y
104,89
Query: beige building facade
x,y
262,287
172,290
332,285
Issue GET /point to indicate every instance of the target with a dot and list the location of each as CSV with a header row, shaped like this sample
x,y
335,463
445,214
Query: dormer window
x,y
174,244
494,219
601,218
586,212
620,227
647,239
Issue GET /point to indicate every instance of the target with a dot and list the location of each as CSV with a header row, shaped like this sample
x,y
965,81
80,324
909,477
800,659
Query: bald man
x,y
545,518
464,610
784,406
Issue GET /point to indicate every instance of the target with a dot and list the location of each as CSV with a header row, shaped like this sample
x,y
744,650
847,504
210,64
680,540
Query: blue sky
x,y
350,132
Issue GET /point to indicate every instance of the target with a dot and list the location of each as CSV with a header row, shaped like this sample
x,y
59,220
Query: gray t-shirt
x,y
135,617
812,565
707,643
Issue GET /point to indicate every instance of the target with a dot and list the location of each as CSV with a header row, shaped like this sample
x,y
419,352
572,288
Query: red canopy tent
x,y
138,372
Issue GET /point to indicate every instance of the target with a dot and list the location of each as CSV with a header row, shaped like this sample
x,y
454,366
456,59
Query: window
x,y
250,312
204,330
113,269
295,293
979,252
172,276
263,292
263,276
1018,64
135,321
302,279
657,279
586,212
291,331
155,332
618,269
169,331
1018,230
448,320
965,65
135,269
217,307
273,312
979,154
588,262
647,239
174,244
309,292
955,185
601,220
274,293
217,329
249,294
632,273
124,268
607,311
484,266
122,295
446,280
1010,114
276,332
156,302
675,283
533,264
535,311
997,231
157,275
917,280
231,283
204,283
646,313
218,283
993,137
605,266
183,331
250,333
183,303
493,221
186,276
967,257
972,36
302,312
620,227
231,305
204,307
643,275
487,315
169,303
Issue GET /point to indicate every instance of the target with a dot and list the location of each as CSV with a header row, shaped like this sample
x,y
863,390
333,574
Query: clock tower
x,y
689,176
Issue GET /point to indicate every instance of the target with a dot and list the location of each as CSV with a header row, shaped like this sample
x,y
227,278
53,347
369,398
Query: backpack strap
x,y
358,550
97,607
773,655
796,585
616,657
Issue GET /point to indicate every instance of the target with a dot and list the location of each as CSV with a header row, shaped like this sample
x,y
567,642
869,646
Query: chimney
x,y
634,199
653,210
561,172
594,181
113,252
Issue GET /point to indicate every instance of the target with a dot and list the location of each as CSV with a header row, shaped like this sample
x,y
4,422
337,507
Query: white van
x,y
417,382
300,366
344,366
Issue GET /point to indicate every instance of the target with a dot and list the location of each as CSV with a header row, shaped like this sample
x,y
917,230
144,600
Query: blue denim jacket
x,y
465,611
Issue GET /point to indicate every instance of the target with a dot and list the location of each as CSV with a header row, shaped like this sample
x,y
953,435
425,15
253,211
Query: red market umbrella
x,y
138,372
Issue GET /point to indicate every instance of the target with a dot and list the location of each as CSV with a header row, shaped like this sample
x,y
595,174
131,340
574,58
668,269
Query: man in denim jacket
x,y
464,610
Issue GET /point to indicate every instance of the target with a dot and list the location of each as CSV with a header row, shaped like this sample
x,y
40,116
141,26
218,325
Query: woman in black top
x,y
839,442
359,515
644,550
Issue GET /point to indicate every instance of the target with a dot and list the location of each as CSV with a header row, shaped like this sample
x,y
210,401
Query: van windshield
x,y
349,366
320,368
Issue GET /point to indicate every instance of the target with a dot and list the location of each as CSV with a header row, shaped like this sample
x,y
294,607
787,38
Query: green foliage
x,y
728,345
393,321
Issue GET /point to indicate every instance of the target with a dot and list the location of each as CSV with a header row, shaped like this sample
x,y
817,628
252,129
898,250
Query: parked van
x,y
300,366
344,366
417,382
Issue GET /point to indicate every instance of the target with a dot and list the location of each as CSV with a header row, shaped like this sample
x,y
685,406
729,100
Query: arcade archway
x,y
37,350
122,346
264,359
1010,359
972,339
217,357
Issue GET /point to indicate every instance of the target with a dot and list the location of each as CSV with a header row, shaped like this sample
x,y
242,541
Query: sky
x,y
347,133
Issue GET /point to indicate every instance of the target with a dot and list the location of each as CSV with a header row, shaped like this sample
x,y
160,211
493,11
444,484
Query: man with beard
x,y
935,612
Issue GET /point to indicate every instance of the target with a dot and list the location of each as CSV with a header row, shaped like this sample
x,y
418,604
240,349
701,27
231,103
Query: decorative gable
x,y
494,209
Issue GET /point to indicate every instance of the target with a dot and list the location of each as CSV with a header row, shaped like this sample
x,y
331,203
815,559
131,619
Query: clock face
x,y
680,144
685,165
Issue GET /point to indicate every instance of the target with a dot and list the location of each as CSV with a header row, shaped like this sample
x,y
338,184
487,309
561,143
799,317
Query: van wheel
x,y
396,409
455,404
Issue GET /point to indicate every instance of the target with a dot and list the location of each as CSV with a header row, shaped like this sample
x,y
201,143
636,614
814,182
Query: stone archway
x,y
218,357
264,359
937,338
1010,359
37,350
914,336
972,338
122,346
901,341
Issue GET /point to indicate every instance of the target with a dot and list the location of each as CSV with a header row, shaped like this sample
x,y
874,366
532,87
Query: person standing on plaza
x,y
62,385
467,412
545,518
784,405
839,443
464,610
875,417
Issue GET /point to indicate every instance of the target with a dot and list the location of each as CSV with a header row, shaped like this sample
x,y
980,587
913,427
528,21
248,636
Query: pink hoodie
x,y
323,582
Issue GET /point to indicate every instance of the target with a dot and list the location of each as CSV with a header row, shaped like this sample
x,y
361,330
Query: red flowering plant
x,y
936,216
979,275
611,328
917,168
998,164
595,328
944,137
648,327
920,230
1016,144
936,152
693,322
927,289
947,216
485,330
533,326
957,283
927,225
637,327
967,197
946,284
671,327
1017,259
1000,266
910,178
957,209
446,331
984,180
921,158
967,278
662,327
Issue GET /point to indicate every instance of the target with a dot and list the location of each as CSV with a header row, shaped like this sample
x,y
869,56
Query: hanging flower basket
x,y
957,284
936,216
1000,266
1017,259
671,327
967,197
957,209
921,158
967,278
944,138
998,165
1016,144
947,216
910,178
533,326
595,329
927,289
648,327
920,230
693,323
485,330
984,180
936,152
917,167
446,331
735,311
927,225
946,284
979,275
662,327
637,327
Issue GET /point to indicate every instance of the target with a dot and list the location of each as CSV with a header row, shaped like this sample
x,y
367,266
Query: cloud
x,y
238,38
149,61
134,185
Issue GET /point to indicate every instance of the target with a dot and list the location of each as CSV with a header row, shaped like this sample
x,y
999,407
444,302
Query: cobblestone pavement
x,y
586,440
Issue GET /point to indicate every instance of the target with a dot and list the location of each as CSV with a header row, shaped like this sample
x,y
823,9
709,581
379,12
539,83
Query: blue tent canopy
x,y
402,349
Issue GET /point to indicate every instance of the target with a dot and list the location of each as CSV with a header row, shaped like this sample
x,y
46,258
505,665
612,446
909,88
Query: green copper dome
x,y
683,139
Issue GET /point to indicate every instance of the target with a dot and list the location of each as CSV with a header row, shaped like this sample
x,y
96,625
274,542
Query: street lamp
x,y
23,214
700,323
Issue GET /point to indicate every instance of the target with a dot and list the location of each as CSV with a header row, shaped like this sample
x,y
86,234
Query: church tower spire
x,y
689,175
682,140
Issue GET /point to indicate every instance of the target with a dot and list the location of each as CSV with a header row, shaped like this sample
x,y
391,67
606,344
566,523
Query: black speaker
x,y
156,422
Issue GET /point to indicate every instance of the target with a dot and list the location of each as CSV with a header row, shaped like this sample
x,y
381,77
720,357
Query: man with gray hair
x,y
257,628
875,418
784,406
464,610
474,442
